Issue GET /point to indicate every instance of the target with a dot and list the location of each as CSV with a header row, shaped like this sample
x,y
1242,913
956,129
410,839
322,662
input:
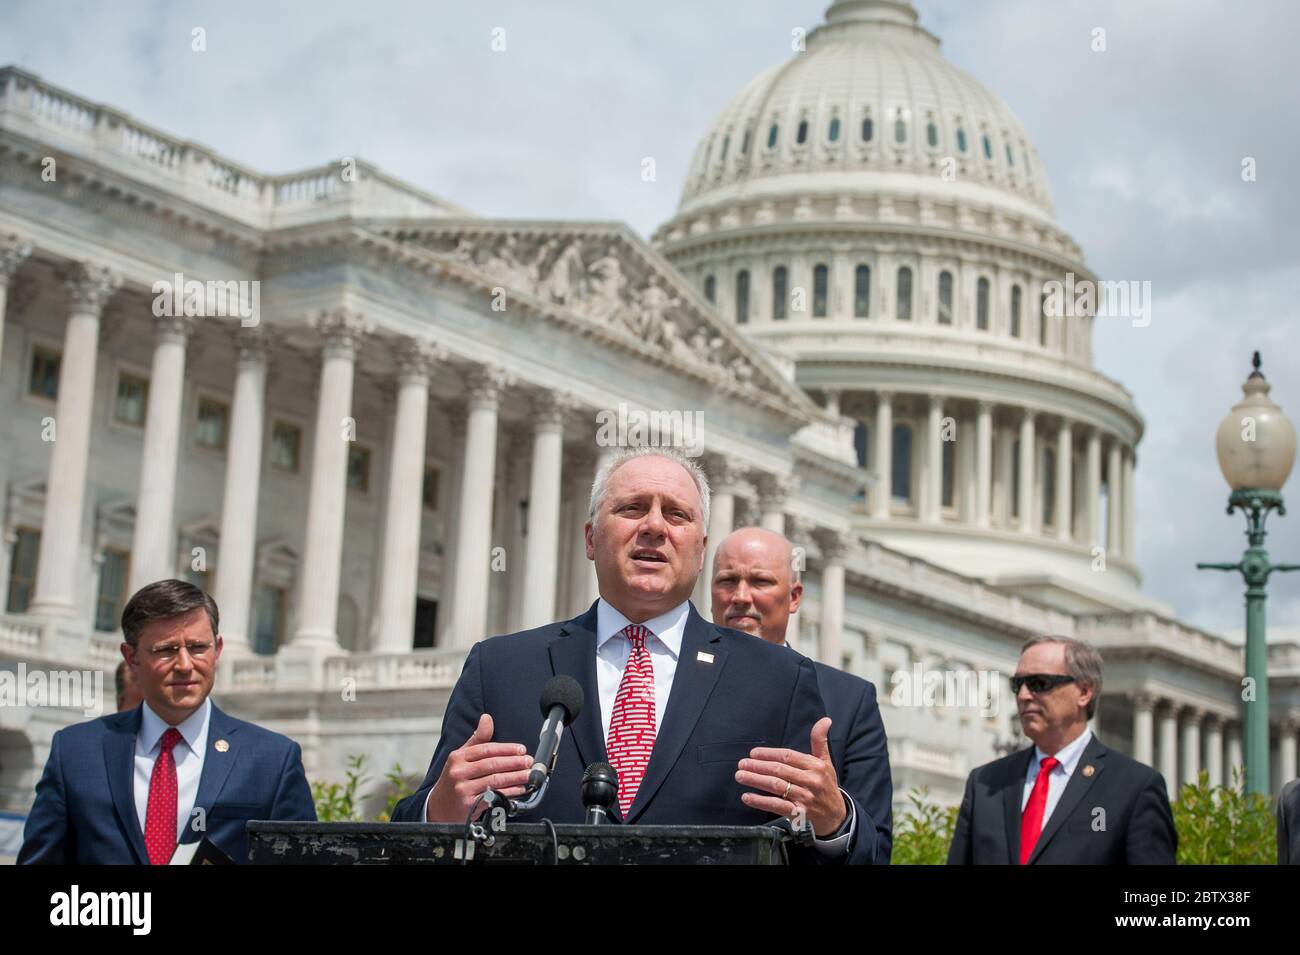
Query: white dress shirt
x,y
613,651
1068,758
188,754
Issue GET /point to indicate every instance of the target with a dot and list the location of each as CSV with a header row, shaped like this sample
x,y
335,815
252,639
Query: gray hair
x,y
1082,661
616,461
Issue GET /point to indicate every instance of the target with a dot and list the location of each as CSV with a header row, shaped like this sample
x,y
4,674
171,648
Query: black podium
x,y
359,843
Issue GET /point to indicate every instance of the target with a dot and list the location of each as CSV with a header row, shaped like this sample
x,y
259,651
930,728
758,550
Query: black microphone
x,y
599,791
561,702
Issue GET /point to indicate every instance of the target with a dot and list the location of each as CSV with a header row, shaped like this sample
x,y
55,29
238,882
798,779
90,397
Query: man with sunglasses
x,y
129,787
1069,799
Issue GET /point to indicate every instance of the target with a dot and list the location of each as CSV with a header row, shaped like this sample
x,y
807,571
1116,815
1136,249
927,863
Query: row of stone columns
x,y
989,473
1191,739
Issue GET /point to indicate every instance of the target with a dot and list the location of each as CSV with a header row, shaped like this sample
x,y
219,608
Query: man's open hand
x,y
792,782
473,769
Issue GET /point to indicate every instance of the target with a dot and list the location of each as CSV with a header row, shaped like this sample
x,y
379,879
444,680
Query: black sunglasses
x,y
1039,682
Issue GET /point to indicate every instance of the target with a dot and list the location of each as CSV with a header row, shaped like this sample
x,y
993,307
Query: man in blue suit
x,y
128,788
671,701
756,588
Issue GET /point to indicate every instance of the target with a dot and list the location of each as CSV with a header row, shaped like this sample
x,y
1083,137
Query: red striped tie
x,y
1031,821
632,724
160,811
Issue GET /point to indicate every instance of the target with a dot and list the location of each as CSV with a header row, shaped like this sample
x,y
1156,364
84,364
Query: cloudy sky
x,y
1143,145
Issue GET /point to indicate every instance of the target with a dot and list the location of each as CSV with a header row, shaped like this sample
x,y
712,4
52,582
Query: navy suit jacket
x,y
861,758
751,693
1138,825
85,803
1288,824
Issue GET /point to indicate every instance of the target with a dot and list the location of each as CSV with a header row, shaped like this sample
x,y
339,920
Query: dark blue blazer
x,y
753,693
85,804
859,752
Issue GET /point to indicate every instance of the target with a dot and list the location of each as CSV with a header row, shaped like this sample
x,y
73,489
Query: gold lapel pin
x,y
1088,770
704,657
221,746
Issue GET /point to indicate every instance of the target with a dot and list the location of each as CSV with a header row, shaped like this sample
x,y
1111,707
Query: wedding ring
x,y
788,787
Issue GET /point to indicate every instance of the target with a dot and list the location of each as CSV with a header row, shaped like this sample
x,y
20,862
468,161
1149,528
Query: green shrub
x,y
1224,825
923,834
338,802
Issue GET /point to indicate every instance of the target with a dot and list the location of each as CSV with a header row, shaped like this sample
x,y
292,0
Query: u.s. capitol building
x,y
379,452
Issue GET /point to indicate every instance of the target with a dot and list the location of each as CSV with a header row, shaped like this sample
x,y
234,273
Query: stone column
x,y
13,252
1191,746
1169,748
89,288
153,546
1064,473
238,561
983,462
834,546
1027,497
318,591
884,455
474,531
932,472
581,575
399,570
457,418
724,477
1214,749
1092,490
1234,754
1114,499
1005,468
542,549
1143,735
1128,540
773,490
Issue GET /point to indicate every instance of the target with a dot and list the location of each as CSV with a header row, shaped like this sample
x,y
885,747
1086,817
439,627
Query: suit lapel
x,y
1013,793
217,761
119,762
692,685
1093,755
573,653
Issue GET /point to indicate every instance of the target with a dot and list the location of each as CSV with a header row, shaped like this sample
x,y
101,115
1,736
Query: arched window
x,y
771,136
961,139
945,297
868,130
900,468
949,472
726,143
988,147
1015,477
821,281
982,304
744,143
834,132
1010,159
742,296
1015,311
862,292
802,136
932,134
711,288
861,443
1042,321
900,130
904,310
780,290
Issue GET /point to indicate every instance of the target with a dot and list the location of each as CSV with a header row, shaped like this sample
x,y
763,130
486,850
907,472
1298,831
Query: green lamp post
x,y
1256,445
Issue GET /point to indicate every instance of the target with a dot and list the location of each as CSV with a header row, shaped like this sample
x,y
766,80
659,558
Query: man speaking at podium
x,y
673,702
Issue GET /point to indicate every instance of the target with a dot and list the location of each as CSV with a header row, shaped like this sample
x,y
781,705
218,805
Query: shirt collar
x,y
193,728
668,627
1068,756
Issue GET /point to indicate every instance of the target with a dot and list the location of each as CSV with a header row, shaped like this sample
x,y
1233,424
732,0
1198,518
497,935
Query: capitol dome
x,y
879,223
870,106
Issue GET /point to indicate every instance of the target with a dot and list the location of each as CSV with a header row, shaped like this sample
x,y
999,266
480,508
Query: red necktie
x,y
160,813
1031,820
632,724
